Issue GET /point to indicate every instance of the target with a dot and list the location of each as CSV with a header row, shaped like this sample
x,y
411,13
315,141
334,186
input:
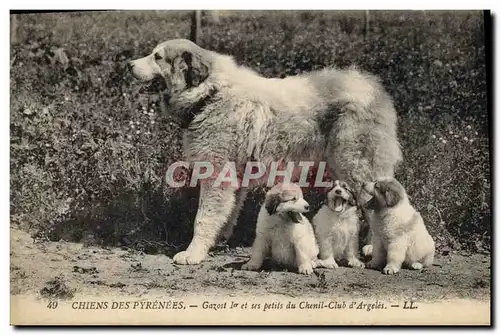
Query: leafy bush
x,y
88,152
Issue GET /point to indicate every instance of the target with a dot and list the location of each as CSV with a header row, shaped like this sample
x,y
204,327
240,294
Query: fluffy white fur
x,y
283,233
231,113
336,226
399,233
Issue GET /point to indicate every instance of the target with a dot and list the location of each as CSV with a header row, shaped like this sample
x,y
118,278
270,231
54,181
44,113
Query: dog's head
x,y
286,199
340,197
173,67
387,193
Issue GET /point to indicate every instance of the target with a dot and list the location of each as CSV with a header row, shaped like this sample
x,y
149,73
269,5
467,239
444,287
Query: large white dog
x,y
231,113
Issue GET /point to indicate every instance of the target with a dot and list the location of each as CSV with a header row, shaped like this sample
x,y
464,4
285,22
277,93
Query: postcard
x,y
250,168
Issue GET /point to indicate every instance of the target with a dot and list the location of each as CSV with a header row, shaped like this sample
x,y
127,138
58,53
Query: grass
x,y
88,152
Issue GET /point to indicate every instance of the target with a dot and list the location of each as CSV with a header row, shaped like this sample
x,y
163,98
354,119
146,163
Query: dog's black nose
x,y
130,65
338,191
306,207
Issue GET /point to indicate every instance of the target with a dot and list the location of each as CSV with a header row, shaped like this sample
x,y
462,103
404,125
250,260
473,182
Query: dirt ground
x,y
71,270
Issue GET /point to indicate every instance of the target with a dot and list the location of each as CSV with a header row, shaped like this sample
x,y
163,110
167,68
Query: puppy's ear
x,y
372,204
392,197
352,198
272,203
198,69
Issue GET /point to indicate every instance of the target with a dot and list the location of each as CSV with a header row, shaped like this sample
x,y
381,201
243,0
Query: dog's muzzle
x,y
339,203
157,85
302,206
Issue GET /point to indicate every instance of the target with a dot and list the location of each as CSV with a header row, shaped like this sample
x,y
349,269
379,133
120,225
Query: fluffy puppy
x,y
283,233
336,226
399,233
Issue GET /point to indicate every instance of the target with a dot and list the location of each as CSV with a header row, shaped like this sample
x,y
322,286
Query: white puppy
x,y
283,233
336,226
399,233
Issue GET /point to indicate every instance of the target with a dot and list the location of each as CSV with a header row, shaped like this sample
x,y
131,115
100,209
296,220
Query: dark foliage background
x,y
88,151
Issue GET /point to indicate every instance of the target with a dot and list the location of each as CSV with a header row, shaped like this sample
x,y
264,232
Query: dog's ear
x,y
272,203
392,197
198,69
352,198
372,204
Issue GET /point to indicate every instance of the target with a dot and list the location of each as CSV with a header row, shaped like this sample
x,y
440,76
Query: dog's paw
x,y
367,250
355,263
416,266
188,257
250,266
326,263
306,269
390,270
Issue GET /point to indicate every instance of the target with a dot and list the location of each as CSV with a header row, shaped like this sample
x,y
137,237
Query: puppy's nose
x,y
130,65
338,191
306,207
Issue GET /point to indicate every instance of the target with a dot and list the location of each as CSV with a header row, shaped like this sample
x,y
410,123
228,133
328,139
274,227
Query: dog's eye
x,y
157,56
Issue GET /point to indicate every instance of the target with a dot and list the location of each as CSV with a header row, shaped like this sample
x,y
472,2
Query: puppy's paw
x,y
390,270
416,266
250,266
188,257
367,250
326,263
355,263
306,269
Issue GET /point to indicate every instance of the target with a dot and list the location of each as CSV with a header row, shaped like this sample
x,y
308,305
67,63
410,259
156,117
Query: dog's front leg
x,y
227,231
367,249
369,218
396,253
260,249
352,252
304,262
215,206
368,215
326,259
378,256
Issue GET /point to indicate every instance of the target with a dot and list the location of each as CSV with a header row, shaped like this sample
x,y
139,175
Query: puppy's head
x,y
340,197
173,67
286,199
387,193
